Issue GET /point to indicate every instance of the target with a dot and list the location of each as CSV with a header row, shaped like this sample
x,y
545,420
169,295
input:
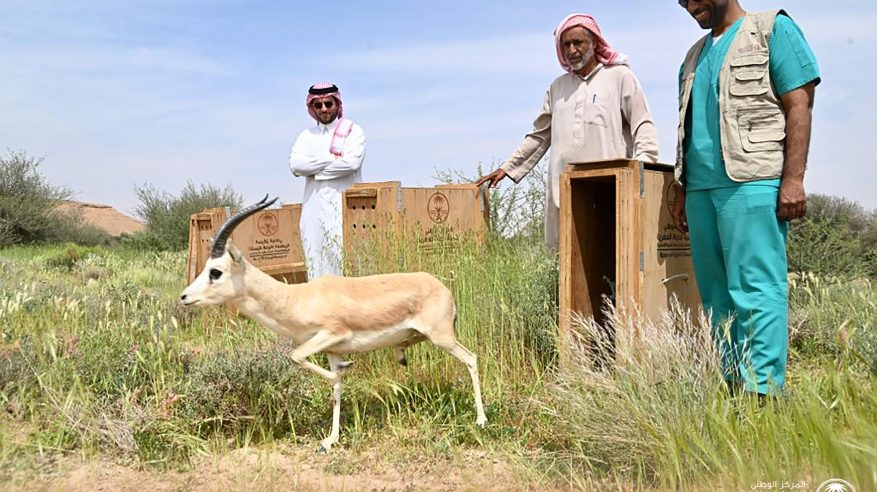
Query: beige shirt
x,y
602,116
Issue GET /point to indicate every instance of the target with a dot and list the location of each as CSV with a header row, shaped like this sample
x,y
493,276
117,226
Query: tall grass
x,y
663,417
96,358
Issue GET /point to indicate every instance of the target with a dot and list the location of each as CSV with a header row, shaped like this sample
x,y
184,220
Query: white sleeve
x,y
350,160
304,162
636,111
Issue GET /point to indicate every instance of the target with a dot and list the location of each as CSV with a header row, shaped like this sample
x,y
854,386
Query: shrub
x,y
70,227
27,200
246,391
28,204
69,257
838,237
167,216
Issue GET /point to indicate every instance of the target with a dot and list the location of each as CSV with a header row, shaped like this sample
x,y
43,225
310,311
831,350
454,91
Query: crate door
x,y
667,267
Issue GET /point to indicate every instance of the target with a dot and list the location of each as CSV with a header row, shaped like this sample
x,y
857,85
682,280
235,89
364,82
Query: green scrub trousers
x,y
738,247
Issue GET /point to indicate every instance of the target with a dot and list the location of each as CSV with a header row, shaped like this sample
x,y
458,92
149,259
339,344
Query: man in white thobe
x,y
329,156
597,110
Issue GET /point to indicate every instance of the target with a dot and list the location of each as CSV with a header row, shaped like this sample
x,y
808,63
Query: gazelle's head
x,y
222,277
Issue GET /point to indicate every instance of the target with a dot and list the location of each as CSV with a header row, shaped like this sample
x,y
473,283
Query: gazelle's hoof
x,y
326,445
481,421
404,361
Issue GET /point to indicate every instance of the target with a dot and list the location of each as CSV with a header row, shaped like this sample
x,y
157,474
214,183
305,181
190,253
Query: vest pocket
x,y
762,131
748,75
749,83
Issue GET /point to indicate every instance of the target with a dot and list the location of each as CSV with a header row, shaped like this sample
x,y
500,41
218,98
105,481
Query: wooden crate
x,y
617,239
378,215
270,239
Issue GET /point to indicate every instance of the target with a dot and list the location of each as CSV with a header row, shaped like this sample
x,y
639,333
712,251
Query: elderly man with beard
x,y
745,98
329,156
597,110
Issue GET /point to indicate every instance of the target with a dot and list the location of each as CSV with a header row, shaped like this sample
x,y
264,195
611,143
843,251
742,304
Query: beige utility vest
x,y
752,118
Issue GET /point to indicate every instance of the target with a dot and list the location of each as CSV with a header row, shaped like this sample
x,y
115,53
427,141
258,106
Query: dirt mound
x,y
103,217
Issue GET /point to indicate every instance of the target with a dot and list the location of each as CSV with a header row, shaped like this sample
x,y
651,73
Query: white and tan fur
x,y
338,315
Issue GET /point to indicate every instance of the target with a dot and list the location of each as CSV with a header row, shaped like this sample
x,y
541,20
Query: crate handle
x,y
362,193
683,276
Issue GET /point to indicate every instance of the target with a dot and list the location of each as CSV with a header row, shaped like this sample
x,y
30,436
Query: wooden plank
x,y
567,249
602,164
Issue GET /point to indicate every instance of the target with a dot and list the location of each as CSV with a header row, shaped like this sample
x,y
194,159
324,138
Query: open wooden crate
x,y
378,217
618,242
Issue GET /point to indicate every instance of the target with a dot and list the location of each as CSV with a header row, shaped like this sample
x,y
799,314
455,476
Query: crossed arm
x,y
326,166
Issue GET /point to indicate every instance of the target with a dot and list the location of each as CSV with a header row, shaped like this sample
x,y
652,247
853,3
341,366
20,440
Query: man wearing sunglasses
x,y
329,156
597,110
746,96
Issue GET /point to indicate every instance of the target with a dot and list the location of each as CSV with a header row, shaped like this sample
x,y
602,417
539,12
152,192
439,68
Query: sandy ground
x,y
103,217
282,468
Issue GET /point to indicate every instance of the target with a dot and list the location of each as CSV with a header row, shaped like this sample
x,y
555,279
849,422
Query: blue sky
x,y
118,94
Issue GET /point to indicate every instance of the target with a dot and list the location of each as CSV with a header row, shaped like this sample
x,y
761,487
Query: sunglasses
x,y
319,104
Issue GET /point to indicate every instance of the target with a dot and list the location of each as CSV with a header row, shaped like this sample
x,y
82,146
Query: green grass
x,y
96,358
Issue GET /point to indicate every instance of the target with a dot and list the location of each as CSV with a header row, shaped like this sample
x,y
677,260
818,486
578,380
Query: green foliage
x,y
28,207
72,228
167,216
261,392
26,200
70,256
837,237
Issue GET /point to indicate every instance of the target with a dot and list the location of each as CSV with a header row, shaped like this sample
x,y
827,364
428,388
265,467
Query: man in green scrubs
x,y
746,97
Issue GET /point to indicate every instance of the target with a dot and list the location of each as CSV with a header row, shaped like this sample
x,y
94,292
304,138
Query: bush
x,y
27,200
69,257
28,207
838,237
265,392
167,216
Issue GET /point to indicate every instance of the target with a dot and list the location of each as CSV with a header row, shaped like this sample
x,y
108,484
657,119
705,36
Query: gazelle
x,y
334,315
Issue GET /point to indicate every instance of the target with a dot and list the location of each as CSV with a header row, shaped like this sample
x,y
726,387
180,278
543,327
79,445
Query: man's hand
x,y
679,217
792,203
494,178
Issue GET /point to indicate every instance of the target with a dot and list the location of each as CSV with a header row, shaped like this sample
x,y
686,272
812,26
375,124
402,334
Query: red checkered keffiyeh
x,y
604,53
344,127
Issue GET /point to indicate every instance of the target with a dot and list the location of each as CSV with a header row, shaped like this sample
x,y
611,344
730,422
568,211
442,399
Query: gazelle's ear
x,y
235,253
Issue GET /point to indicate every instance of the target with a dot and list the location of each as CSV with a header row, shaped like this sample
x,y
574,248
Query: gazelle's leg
x,y
318,343
399,352
338,366
460,352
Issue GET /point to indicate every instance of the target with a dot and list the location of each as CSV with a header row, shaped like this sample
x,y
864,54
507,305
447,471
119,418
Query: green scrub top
x,y
792,65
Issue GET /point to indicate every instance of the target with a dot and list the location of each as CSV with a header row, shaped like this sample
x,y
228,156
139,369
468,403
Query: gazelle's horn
x,y
218,247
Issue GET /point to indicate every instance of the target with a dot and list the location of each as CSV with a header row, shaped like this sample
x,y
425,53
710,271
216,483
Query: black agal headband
x,y
322,91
